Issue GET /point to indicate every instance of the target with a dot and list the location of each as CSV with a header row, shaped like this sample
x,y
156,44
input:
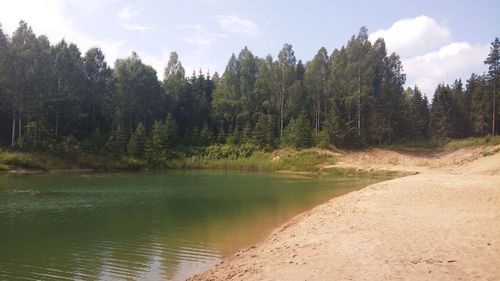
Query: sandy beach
x,y
442,223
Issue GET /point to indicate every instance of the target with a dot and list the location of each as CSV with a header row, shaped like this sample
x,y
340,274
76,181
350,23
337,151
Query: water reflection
x,y
143,226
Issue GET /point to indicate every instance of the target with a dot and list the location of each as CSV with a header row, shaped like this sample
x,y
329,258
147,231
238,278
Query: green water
x,y
144,226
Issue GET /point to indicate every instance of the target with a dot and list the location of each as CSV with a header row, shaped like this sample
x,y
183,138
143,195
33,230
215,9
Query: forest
x,y
56,99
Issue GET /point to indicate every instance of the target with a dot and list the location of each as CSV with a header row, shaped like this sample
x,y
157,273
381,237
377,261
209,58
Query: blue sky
x,y
438,40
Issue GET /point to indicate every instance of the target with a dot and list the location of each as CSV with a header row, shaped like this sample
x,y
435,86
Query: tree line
x,y
54,98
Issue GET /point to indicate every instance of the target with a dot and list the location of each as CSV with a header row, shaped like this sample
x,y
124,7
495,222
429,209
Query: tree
x,y
6,97
155,150
70,93
206,135
359,72
174,82
493,60
440,113
262,87
138,93
298,133
23,46
316,79
171,131
479,104
286,64
99,77
137,141
247,75
418,113
225,102
263,135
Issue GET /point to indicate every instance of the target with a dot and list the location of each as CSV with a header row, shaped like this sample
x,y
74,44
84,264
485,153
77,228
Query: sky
x,y
438,41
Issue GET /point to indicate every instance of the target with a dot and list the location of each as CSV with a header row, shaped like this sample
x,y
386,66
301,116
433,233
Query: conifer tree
x,y
493,60
137,142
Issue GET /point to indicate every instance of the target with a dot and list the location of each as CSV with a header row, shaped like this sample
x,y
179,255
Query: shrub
x,y
222,151
20,160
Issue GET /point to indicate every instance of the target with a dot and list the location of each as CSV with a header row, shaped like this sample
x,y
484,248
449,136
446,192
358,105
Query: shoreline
x,y
442,224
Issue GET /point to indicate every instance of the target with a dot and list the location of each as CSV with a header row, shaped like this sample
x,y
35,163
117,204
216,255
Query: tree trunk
x,y
13,126
93,113
34,133
57,104
359,115
359,100
493,123
57,120
282,101
389,132
20,127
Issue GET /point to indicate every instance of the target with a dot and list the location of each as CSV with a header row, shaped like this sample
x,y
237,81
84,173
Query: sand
x,y
440,224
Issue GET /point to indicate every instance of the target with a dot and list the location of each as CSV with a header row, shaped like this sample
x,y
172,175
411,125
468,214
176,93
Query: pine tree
x,y
493,60
206,135
263,136
137,142
440,113
316,83
234,137
171,132
298,133
117,141
479,105
155,150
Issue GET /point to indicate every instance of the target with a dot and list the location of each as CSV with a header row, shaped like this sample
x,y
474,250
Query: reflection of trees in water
x,y
146,225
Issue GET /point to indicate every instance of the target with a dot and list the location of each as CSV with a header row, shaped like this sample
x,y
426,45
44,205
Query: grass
x,y
258,161
19,160
350,172
444,144
307,160
488,140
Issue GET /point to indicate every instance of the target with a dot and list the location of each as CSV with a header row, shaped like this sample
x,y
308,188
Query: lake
x,y
145,225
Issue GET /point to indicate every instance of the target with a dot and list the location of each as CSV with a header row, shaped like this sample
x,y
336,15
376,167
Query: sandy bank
x,y
442,224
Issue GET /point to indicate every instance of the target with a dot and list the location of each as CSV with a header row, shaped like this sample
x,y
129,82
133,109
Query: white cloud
x,y
428,53
139,27
47,17
197,34
90,4
236,24
158,62
410,37
450,62
128,13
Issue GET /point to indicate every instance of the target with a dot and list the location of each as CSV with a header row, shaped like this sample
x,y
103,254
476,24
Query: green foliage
x,y
53,98
349,172
228,151
322,139
19,160
129,164
488,140
305,160
117,141
4,167
155,150
137,142
263,136
171,131
234,138
206,136
298,133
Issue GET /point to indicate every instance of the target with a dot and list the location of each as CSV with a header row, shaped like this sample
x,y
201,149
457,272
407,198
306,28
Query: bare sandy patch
x,y
441,224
